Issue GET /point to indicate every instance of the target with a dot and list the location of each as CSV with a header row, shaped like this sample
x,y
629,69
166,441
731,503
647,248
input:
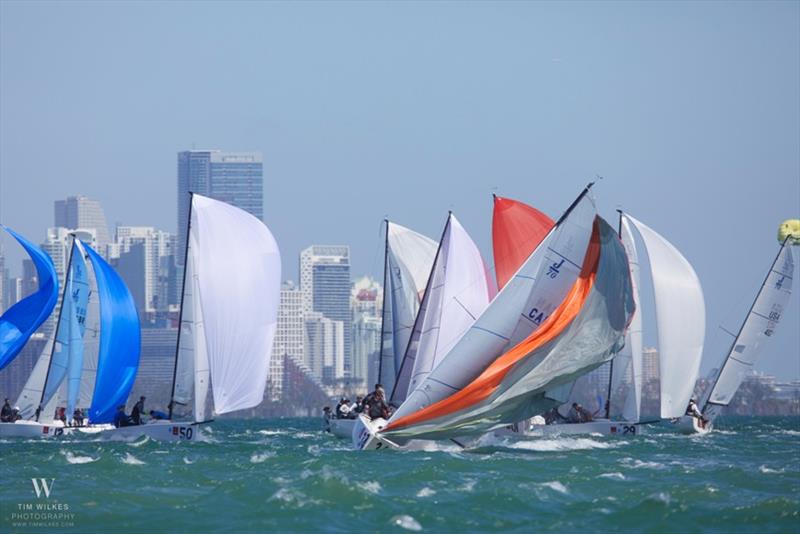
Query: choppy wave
x,y
76,459
132,460
406,522
426,492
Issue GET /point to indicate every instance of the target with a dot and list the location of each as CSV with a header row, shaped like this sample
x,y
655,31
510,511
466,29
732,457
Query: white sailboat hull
x,y
33,429
158,430
365,435
689,425
599,426
341,428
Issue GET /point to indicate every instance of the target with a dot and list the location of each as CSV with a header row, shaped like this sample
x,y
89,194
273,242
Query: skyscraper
x,y
324,347
288,335
325,283
84,213
233,177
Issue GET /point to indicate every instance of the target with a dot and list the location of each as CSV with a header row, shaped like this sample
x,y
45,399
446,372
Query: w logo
x,y
44,487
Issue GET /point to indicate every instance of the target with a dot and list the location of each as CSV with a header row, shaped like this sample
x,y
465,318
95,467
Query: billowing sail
x,y
22,319
409,257
517,229
537,288
456,294
759,325
680,317
238,270
627,365
583,332
67,355
120,342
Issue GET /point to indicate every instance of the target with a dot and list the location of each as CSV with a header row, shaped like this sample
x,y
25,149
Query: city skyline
x,y
668,130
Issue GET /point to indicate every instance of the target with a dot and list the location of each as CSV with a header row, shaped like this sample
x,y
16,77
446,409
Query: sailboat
x,y
228,318
21,320
680,318
64,376
408,258
759,324
576,286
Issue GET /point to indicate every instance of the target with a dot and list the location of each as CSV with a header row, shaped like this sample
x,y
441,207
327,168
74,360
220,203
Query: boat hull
x,y
158,430
600,426
32,429
366,435
689,425
342,428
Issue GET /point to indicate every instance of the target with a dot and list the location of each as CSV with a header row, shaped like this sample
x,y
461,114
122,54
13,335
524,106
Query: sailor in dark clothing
x,y
5,414
138,410
120,419
377,406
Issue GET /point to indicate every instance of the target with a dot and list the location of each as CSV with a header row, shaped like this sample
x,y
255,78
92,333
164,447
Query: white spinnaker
x,y
759,324
458,294
91,340
680,316
490,334
628,363
409,257
239,292
31,394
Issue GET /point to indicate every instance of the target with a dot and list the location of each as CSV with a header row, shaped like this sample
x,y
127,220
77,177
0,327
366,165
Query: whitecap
x,y
187,461
373,486
613,476
426,492
555,485
766,470
789,432
292,496
662,497
132,460
73,459
139,443
272,432
635,463
258,458
468,486
407,522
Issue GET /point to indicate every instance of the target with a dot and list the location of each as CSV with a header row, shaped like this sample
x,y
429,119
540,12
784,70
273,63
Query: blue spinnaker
x,y
120,342
22,319
68,349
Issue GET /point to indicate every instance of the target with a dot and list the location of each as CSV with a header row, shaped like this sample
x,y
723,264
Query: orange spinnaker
x,y
517,229
483,386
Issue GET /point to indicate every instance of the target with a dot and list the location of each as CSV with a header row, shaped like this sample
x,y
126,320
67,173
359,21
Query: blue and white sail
x,y
22,319
120,342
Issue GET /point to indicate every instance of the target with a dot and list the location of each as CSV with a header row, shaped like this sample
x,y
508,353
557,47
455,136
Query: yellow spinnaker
x,y
790,228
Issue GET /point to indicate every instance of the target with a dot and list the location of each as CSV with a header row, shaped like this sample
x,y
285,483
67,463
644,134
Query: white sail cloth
x,y
536,289
409,257
457,293
237,268
759,324
680,317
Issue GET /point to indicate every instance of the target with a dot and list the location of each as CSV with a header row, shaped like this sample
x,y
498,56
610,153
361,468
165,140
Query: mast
x,y
67,274
574,203
746,317
422,302
383,304
180,312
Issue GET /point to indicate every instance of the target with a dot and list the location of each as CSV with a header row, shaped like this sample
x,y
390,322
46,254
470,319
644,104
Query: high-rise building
x,y
14,377
288,336
233,177
156,367
324,347
325,283
649,364
82,212
365,300
154,267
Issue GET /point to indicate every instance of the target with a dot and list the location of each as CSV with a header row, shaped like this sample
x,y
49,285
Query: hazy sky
x,y
690,112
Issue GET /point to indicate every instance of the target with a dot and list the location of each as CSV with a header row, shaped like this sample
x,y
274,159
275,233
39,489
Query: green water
x,y
287,475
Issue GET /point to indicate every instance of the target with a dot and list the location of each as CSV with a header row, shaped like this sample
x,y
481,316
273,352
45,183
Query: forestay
x,y
408,262
759,325
525,302
680,317
457,292
583,332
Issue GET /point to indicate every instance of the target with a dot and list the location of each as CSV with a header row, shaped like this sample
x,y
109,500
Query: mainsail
x,y
526,301
584,331
457,292
408,260
22,319
120,342
680,318
759,325
229,308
